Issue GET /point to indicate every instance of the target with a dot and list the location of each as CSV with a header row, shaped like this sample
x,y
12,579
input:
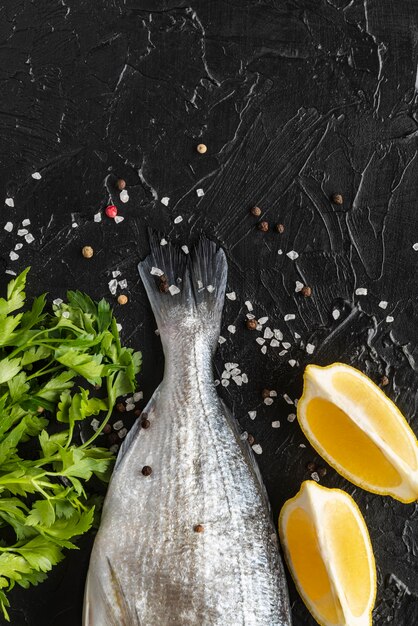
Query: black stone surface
x,y
296,100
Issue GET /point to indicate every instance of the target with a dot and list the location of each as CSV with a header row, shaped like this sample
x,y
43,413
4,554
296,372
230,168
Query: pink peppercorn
x,y
111,211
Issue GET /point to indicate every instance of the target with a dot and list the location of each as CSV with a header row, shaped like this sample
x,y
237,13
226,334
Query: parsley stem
x,y
109,381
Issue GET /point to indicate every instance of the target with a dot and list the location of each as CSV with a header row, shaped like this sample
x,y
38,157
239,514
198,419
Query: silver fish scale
x,y
149,567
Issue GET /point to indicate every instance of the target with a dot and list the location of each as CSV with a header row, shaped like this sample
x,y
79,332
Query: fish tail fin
x,y
180,284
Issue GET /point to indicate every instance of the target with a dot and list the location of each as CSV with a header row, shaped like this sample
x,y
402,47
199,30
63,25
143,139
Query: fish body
x,y
190,543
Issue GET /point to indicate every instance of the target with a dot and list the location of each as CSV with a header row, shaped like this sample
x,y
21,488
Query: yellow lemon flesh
x,y
359,431
328,551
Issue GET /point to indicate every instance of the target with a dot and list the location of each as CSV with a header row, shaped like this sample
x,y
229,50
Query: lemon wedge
x,y
359,431
328,551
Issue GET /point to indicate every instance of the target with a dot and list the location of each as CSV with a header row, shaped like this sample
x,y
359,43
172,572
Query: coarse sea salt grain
x,y
224,382
118,219
138,395
11,272
336,314
257,448
66,314
252,414
74,225
293,255
22,231
230,366
248,305
315,476
10,202
155,271
13,256
210,288
165,200
298,286
289,316
276,424
268,401
178,219
274,343
116,273
264,350
268,333
244,378
18,246
9,227
280,251
124,196
278,334
221,339
173,289
231,295
260,341
26,222
185,249
57,301
361,291
273,394
122,433
291,417
287,399
217,382
123,284
292,362
286,345
95,424
97,217
118,425
36,176
383,304
415,246
310,348
113,449
113,285
262,320
200,193
231,328
119,327
282,352
238,380
389,318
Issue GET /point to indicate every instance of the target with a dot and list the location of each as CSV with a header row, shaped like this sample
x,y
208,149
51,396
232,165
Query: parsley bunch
x,y
51,365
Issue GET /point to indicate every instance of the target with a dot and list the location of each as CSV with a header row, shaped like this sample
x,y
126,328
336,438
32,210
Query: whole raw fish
x,y
186,537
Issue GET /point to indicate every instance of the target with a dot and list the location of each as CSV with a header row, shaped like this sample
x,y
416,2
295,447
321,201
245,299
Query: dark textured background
x,y
295,100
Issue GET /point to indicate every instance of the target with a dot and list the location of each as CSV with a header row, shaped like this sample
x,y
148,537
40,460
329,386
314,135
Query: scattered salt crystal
x,y
13,256
57,301
66,314
268,333
10,202
264,349
415,246
263,320
257,448
276,424
178,219
288,399
292,362
225,374
273,394
225,382
278,334
217,382
113,285
113,449
185,249
250,316
310,348
74,225
124,196
268,401
36,176
289,316
315,476
97,217
274,343
115,273
155,271
249,305
389,318
292,255
282,352
291,417
165,201
231,328
286,345
200,284
299,286
163,242
26,222
297,336
138,395
230,366
238,380
122,433
18,246
119,327
95,424
118,219
157,332
200,192
361,291
235,371
8,227
22,231
130,407
383,304
252,414
279,251
11,272
245,378
210,288
123,284
260,340
302,445
336,314
173,289
231,295
221,339
118,425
